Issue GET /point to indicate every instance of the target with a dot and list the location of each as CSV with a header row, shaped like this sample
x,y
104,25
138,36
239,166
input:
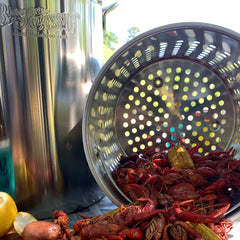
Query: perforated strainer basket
x,y
177,81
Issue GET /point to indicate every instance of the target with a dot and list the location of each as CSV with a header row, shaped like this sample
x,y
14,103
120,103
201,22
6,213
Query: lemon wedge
x,y
8,212
21,220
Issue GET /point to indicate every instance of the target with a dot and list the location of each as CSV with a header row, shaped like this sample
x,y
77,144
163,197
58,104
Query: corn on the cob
x,y
180,158
206,232
112,212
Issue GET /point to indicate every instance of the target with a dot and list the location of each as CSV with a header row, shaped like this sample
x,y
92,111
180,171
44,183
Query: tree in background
x,y
132,32
109,39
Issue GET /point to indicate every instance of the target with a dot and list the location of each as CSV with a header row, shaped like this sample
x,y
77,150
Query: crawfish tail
x,y
208,197
207,171
165,232
135,191
194,217
155,228
217,185
79,225
180,187
185,195
152,179
219,212
134,233
206,163
100,230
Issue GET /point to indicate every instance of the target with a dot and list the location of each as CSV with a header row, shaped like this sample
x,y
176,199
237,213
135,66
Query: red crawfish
x,y
79,225
174,232
194,217
59,217
155,227
109,231
130,215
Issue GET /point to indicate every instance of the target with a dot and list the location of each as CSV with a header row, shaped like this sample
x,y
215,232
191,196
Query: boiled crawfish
x,y
123,224
155,228
207,188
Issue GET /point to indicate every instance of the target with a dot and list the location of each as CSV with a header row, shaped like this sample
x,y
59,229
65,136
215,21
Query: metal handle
x,y
106,10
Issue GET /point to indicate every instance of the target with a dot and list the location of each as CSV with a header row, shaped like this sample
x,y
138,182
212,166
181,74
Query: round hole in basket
x,y
180,81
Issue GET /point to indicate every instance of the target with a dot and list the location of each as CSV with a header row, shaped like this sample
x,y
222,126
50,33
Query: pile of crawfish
x,y
168,203
213,181
200,195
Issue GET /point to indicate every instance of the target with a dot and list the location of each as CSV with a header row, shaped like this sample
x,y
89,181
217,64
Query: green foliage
x,y
109,39
132,32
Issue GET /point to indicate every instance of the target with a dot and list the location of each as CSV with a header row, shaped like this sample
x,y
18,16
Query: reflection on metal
x,y
50,54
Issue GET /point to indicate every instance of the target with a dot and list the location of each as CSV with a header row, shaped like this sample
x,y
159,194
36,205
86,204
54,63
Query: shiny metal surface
x,y
175,81
235,218
50,54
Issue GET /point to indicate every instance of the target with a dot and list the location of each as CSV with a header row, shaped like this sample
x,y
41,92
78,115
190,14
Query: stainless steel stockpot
x,y
50,54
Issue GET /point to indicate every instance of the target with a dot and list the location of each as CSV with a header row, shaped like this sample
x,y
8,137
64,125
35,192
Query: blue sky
x,y
153,13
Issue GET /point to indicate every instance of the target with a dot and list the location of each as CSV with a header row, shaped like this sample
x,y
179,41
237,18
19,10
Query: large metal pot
x,y
50,54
